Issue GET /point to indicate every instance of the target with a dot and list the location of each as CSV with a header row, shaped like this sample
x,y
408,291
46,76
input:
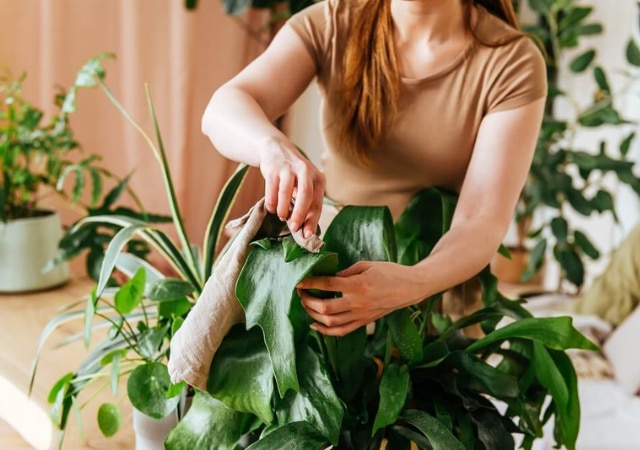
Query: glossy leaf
x,y
317,402
422,223
266,289
147,389
208,424
554,332
394,387
169,289
581,62
585,245
405,335
601,79
570,263
109,419
477,375
633,53
130,294
560,228
439,436
357,234
292,436
241,375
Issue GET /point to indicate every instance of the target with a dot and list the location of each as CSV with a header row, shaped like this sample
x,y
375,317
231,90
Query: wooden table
x,y
24,422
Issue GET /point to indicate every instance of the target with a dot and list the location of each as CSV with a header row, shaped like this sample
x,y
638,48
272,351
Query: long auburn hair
x,y
370,75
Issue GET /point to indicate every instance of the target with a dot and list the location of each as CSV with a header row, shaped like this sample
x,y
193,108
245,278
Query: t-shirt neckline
x,y
455,62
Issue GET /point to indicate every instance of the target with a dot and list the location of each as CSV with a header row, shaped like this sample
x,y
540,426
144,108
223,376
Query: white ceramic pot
x,y
26,246
150,433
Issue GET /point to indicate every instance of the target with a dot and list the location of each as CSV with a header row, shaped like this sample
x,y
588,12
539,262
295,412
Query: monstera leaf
x,y
266,289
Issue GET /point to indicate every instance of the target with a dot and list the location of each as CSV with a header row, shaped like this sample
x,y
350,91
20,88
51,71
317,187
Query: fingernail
x,y
313,327
307,233
294,226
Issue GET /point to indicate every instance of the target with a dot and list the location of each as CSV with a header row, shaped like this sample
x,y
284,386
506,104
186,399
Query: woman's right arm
x,y
239,122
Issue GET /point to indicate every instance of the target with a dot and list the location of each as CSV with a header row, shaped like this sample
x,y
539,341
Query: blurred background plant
x,y
39,158
566,177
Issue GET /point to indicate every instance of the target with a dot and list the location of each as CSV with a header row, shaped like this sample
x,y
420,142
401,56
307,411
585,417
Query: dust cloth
x,y
194,345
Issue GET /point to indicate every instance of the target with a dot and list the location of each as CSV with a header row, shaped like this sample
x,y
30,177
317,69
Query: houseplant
x,y
38,158
566,178
35,158
417,378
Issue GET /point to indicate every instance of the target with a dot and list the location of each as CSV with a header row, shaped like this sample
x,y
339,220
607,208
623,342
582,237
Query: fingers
x,y
315,207
271,185
324,307
338,331
287,178
285,193
332,284
304,197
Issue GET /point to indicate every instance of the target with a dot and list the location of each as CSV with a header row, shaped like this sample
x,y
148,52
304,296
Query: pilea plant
x,y
276,384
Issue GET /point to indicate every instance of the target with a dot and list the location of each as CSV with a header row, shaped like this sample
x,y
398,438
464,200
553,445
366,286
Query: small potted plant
x,y
36,158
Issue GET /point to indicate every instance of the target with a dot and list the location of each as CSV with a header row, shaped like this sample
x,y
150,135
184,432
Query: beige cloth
x,y
217,309
431,141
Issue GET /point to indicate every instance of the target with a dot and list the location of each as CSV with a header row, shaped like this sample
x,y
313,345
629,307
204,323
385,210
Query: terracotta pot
x,y
510,270
26,246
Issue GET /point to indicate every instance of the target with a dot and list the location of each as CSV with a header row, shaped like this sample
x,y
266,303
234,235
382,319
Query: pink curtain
x,y
183,56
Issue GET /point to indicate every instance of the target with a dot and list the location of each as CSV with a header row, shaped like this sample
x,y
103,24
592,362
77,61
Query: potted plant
x,y
36,159
417,379
566,177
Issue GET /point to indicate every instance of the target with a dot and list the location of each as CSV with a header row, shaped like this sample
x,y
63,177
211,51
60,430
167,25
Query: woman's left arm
x,y
496,175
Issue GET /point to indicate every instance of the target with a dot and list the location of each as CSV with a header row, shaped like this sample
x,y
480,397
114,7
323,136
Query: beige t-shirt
x,y
431,141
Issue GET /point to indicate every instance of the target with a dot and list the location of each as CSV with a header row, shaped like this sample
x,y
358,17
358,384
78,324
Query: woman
x,y
416,93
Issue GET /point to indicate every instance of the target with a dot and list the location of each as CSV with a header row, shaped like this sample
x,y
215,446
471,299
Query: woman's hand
x,y
290,178
370,290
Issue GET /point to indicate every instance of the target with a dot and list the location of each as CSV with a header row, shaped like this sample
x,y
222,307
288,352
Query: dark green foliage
x,y
562,26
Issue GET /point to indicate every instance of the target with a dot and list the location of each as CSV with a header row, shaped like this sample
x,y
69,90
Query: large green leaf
x,y
554,332
477,375
266,289
317,402
209,424
357,233
405,335
394,387
567,420
147,389
581,62
292,436
424,221
438,434
241,375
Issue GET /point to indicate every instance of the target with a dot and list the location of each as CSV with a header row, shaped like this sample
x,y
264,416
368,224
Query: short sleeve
x,y
314,26
520,77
